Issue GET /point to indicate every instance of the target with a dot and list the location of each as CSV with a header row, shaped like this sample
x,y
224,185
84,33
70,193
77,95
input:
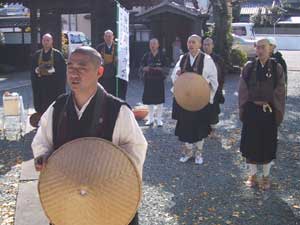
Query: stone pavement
x,y
29,210
292,59
14,80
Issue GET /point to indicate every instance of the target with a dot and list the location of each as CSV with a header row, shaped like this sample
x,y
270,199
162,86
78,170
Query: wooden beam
x,y
33,27
103,17
50,22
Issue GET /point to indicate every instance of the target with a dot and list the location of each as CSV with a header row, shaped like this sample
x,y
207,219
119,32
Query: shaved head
x,y
194,44
109,32
109,37
154,45
93,54
208,40
47,41
195,37
154,40
47,35
263,49
208,45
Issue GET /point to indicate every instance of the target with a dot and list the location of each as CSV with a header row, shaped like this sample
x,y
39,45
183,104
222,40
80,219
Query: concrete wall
x,y
77,22
284,41
278,30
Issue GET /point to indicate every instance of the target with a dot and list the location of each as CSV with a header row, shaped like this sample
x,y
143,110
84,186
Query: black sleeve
x,y
163,60
144,60
60,70
34,81
98,48
283,64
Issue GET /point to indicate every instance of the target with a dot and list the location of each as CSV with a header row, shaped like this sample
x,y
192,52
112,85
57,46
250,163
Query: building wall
x,y
278,30
284,41
77,22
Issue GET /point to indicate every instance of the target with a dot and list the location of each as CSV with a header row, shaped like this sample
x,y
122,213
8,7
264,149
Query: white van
x,y
72,40
244,30
2,38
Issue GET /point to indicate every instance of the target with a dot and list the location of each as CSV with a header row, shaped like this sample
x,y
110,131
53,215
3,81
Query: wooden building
x,y
45,16
173,19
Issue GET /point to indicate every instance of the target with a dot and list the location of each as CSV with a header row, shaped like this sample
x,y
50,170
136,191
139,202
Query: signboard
x,y
123,43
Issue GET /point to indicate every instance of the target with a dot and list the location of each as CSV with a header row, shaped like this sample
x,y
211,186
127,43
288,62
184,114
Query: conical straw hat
x,y
191,91
90,181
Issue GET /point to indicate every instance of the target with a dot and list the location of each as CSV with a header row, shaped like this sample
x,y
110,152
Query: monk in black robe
x,y
153,63
261,105
48,75
193,127
208,46
111,83
88,111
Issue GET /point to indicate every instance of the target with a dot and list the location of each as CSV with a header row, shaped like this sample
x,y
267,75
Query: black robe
x,y
47,88
113,85
154,85
259,132
191,126
219,97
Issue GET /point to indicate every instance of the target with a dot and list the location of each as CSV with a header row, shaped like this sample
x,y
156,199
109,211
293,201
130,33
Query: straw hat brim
x,y
90,181
191,91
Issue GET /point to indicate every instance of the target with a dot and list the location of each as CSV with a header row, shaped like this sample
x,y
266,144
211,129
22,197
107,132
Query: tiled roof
x,y
185,9
253,8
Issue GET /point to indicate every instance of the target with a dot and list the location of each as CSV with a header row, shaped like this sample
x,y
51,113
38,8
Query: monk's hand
x,y
37,71
146,69
157,68
178,72
40,162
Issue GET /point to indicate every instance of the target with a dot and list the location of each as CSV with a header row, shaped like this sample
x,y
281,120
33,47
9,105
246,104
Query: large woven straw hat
x,y
191,91
90,181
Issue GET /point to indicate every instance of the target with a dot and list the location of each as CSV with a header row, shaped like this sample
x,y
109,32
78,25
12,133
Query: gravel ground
x,y
214,193
13,151
176,193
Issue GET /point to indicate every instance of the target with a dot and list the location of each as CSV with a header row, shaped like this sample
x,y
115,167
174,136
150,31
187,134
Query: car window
x,y
236,38
2,38
76,39
239,30
83,39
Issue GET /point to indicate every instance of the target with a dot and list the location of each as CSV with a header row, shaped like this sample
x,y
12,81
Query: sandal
x,y
265,183
252,181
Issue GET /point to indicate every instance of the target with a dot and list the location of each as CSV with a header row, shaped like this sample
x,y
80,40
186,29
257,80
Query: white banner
x,y
123,43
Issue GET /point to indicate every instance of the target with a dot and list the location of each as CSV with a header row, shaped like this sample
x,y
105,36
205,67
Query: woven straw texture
x,y
90,181
191,91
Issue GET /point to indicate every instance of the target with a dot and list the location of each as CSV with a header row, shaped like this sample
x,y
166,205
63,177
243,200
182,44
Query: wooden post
x,y
97,24
197,26
50,22
103,17
33,26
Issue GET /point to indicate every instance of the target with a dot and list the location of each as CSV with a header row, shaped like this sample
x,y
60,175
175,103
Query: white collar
x,y
81,111
194,57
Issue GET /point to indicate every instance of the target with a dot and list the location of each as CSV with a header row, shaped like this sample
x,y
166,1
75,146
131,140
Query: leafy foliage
x,y
271,15
238,57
